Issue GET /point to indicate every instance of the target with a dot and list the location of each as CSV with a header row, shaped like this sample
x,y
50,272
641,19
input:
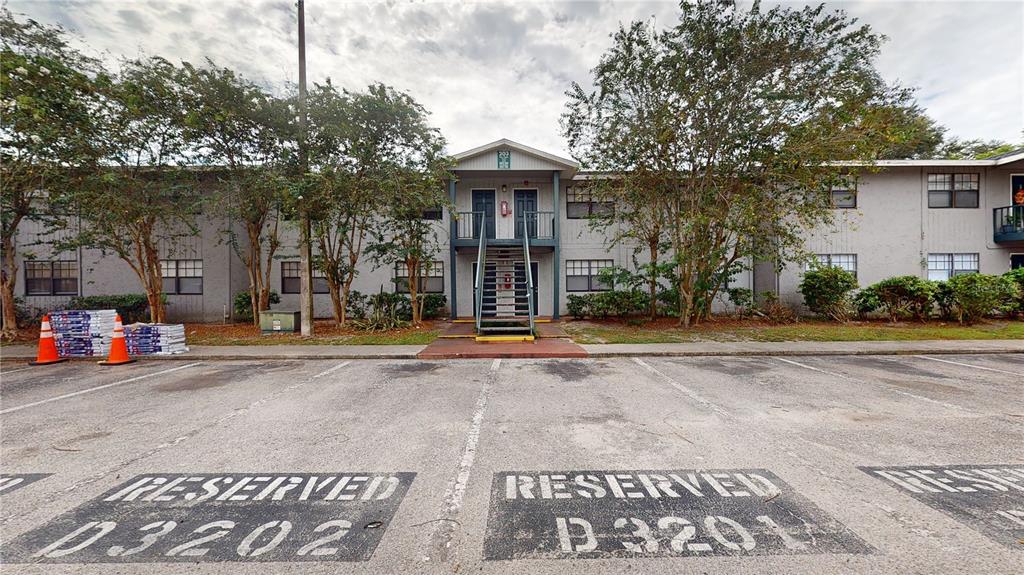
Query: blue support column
x,y
453,232
557,263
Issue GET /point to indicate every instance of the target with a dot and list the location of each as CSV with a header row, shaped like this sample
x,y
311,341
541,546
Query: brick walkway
x,y
457,342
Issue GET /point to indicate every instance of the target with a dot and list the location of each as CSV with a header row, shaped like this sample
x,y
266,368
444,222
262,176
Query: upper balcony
x,y
540,227
1008,224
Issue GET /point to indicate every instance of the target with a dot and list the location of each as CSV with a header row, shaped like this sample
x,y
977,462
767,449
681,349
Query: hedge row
x,y
829,291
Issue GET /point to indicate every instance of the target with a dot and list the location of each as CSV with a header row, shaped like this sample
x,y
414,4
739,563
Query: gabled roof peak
x,y
505,143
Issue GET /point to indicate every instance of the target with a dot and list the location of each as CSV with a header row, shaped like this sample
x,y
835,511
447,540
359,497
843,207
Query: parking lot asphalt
x,y
860,464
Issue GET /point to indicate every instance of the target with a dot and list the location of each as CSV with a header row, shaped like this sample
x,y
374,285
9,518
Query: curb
x,y
590,354
802,353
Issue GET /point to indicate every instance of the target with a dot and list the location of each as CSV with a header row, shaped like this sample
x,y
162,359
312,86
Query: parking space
x,y
659,465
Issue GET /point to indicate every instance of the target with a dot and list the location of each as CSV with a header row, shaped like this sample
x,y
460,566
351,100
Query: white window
x,y
291,279
941,267
581,275
51,278
846,262
182,276
580,203
844,195
953,190
431,277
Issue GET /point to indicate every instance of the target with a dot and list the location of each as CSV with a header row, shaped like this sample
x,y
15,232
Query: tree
x,y
957,149
246,134
635,217
356,141
737,118
401,235
138,197
411,182
914,134
47,96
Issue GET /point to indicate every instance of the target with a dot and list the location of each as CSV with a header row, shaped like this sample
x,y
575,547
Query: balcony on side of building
x,y
1008,224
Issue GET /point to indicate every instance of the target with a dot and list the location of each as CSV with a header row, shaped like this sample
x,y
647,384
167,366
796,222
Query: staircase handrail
x,y
481,262
529,272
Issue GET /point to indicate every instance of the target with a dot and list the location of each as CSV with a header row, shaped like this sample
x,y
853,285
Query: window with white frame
x,y
582,275
431,277
182,276
944,266
51,278
953,190
844,195
580,203
291,279
846,262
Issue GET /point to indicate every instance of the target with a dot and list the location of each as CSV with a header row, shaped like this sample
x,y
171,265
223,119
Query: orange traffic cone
x,y
47,353
118,348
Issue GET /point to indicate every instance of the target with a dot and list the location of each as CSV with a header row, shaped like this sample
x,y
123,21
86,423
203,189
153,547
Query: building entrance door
x,y
483,201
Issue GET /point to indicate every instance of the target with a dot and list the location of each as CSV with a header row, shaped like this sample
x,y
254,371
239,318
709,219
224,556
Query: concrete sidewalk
x,y
787,348
796,348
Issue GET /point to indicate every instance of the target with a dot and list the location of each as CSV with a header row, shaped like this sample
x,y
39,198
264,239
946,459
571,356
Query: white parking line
x,y
810,367
331,370
877,384
97,388
442,536
10,371
687,391
971,365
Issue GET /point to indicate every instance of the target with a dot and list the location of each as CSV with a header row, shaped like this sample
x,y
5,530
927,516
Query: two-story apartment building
x,y
932,218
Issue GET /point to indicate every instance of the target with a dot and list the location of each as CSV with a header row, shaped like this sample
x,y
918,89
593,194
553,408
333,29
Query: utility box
x,y
279,322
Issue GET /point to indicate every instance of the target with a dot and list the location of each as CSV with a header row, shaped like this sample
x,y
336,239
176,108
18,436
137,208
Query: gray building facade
x,y
931,218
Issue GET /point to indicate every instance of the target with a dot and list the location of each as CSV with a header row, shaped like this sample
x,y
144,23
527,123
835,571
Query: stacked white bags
x,y
155,338
83,333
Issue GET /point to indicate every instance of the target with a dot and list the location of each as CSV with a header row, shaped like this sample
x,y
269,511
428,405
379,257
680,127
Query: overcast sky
x,y
490,70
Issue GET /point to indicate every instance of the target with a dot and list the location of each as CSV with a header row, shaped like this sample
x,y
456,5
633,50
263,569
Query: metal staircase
x,y
504,309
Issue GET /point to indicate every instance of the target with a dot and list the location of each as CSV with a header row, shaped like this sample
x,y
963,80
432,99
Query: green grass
x,y
414,338
584,332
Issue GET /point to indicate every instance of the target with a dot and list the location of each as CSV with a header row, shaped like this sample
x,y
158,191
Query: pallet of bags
x,y
155,338
83,333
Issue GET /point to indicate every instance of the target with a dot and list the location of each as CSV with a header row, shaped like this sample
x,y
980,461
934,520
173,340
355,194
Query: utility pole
x,y
305,251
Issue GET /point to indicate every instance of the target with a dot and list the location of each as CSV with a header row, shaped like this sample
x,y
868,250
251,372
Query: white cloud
x,y
500,69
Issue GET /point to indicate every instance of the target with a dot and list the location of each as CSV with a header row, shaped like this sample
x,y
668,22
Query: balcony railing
x,y
468,225
538,225
1008,224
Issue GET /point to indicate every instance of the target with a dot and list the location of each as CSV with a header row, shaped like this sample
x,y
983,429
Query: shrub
x,y
242,304
974,296
615,303
388,300
903,296
668,299
433,305
26,315
772,308
387,311
826,291
578,306
356,306
1017,276
132,307
743,299
942,295
866,301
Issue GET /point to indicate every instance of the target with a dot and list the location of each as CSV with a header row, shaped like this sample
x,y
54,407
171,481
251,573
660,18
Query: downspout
x,y
452,234
556,264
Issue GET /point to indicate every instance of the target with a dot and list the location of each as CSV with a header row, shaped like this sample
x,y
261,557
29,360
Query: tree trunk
x,y
412,266
337,302
153,280
10,275
254,265
346,290
654,278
